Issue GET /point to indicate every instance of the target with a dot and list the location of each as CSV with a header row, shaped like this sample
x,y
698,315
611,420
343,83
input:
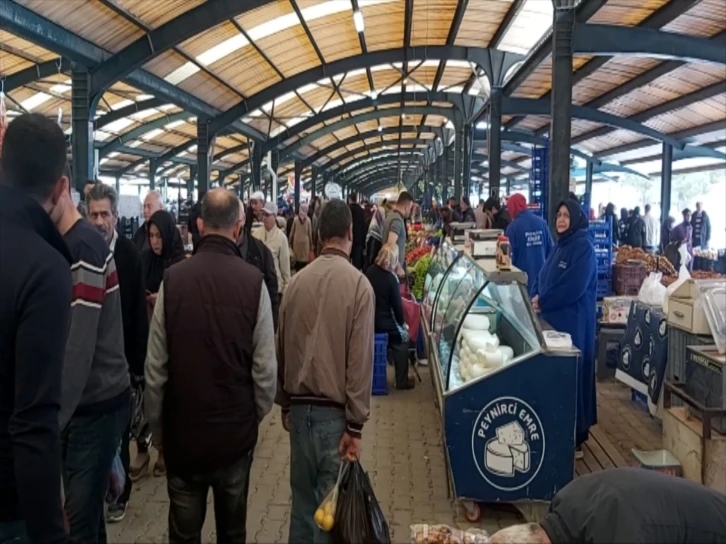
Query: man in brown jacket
x,y
325,363
205,399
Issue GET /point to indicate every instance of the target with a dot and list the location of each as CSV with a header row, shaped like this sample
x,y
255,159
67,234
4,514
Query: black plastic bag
x,y
359,517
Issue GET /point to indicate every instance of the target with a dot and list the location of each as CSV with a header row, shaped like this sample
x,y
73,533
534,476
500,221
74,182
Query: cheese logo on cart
x,y
508,443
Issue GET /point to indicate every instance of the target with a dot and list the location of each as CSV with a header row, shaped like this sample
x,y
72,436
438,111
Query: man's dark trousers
x,y
90,442
188,503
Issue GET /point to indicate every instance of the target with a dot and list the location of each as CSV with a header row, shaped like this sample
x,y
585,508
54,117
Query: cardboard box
x,y
615,310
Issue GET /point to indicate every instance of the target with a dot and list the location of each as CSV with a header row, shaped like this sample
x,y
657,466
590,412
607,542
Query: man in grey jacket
x,y
205,399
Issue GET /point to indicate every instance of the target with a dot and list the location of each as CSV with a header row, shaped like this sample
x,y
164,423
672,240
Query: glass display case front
x,y
483,321
442,261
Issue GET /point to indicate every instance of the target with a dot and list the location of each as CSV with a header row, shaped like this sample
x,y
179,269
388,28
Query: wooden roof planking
x,y
243,56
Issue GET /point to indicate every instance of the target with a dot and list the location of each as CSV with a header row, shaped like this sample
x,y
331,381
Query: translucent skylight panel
x,y
175,124
528,27
34,101
459,64
294,121
307,88
60,88
277,24
113,154
152,134
141,115
221,50
456,89
430,63
142,97
277,130
332,104
379,67
324,9
118,125
185,71
416,88
121,104
101,135
103,161
280,100
192,149
352,98
393,89
167,107
135,143
356,73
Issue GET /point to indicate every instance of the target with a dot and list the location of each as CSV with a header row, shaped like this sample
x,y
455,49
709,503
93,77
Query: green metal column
x,y
561,106
83,110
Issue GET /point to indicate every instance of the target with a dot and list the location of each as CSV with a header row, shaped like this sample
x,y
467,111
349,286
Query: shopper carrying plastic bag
x,y
359,517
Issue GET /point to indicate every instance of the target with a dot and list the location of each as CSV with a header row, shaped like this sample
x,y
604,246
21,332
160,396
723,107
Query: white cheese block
x,y
498,459
477,370
511,434
507,353
520,456
476,322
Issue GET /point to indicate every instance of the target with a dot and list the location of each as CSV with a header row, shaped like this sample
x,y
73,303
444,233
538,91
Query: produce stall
x,y
507,400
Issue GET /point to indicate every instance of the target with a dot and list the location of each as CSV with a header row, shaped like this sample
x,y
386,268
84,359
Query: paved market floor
x,y
403,454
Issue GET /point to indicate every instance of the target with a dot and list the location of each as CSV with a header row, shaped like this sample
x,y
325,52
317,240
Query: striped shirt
x,y
95,373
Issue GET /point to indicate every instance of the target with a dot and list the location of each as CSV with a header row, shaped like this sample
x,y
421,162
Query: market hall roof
x,y
270,70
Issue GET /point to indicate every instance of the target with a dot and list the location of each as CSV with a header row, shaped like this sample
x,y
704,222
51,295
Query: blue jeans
x,y
314,464
89,445
188,503
13,532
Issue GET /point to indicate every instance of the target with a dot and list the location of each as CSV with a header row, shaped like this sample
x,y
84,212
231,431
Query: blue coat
x,y
567,289
531,244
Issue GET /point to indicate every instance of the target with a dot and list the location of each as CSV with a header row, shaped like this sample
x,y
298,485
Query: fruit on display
x,y
653,263
706,275
416,253
420,272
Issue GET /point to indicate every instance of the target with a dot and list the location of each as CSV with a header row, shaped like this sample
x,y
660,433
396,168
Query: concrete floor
x,y
402,451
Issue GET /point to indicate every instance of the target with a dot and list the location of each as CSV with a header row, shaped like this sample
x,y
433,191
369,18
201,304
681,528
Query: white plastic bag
x,y
652,291
683,275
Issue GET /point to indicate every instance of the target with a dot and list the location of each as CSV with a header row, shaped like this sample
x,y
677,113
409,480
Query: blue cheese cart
x,y
507,400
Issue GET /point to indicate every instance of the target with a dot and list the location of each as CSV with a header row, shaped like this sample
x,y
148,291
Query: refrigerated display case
x,y
445,257
507,400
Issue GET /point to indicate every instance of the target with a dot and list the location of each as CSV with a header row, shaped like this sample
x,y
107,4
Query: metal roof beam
x,y
612,40
657,19
682,136
377,158
126,111
30,26
585,10
476,55
31,74
681,154
526,106
368,116
671,105
139,131
179,29
335,162
345,109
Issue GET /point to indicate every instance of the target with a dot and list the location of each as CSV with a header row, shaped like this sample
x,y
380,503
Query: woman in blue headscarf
x,y
565,294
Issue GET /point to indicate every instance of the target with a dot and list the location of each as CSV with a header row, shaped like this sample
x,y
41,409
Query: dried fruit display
x,y
653,263
443,534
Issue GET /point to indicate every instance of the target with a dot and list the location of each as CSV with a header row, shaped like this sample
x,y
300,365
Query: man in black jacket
x,y
636,229
359,232
256,253
34,308
627,505
194,214
102,203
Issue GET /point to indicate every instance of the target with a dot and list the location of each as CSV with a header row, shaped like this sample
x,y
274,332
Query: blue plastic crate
x,y
380,362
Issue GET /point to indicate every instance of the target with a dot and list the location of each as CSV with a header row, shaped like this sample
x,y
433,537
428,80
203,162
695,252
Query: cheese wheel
x,y
507,353
477,370
481,341
495,360
476,322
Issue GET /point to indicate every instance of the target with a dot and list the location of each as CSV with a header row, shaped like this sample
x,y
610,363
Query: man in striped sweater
x,y
95,400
